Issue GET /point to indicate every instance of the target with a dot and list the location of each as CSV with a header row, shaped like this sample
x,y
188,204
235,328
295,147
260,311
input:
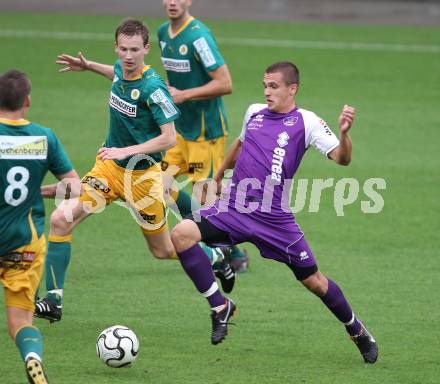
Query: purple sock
x,y
335,301
196,264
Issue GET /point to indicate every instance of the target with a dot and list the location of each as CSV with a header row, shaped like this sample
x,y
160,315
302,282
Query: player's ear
x,y
116,46
293,89
27,101
147,48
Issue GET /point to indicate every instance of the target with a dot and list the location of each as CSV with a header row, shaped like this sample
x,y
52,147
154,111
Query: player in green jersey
x,y
198,76
27,152
142,115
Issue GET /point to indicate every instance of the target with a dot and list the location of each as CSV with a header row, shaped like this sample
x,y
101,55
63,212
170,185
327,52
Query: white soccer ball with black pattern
x,y
117,346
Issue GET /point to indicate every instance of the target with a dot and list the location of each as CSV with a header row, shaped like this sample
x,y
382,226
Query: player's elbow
x,y
170,140
227,87
344,161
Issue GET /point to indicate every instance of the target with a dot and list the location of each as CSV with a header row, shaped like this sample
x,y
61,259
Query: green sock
x,y
214,254
184,202
57,261
29,341
236,252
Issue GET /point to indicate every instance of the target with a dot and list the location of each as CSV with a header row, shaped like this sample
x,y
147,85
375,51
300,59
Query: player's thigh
x,y
175,161
144,196
203,156
21,279
159,243
67,216
290,250
101,186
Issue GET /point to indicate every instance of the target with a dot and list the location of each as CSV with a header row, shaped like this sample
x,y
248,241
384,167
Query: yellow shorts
x,y
198,160
141,190
21,279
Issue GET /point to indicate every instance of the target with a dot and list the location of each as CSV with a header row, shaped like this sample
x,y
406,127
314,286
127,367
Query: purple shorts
x,y
277,236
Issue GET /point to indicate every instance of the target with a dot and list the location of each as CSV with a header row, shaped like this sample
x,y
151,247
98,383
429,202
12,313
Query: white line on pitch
x,y
245,42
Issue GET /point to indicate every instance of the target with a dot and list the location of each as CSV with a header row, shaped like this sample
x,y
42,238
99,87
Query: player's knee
x,y
316,283
14,325
182,237
177,235
58,223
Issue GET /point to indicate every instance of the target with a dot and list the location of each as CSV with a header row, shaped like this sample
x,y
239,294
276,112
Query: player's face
x,y
175,9
131,51
278,94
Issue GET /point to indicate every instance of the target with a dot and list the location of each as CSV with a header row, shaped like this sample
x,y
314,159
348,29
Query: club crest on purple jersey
x,y
283,139
290,121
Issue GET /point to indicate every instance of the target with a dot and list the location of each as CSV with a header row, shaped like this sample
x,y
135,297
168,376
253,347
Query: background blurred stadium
x,y
381,56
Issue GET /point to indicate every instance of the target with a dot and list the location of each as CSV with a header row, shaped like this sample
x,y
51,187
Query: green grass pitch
x,y
387,263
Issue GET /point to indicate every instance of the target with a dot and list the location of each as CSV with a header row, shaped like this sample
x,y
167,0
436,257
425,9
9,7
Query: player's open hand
x,y
71,63
112,153
346,118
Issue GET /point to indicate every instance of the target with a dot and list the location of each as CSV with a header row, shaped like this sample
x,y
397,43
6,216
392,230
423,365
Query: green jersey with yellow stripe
x,y
138,108
27,152
188,57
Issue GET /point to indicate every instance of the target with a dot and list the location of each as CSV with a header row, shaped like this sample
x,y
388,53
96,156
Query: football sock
x,y
29,342
57,261
236,252
354,326
198,268
335,301
183,202
214,254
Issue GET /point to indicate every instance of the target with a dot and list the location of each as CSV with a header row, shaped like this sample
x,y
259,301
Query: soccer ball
x,y
117,346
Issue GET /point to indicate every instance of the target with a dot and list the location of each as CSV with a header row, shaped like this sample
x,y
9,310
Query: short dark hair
x,y
131,27
14,87
289,71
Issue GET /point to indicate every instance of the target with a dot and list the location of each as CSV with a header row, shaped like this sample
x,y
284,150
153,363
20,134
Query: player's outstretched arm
x,y
342,153
166,140
80,63
69,186
228,162
220,84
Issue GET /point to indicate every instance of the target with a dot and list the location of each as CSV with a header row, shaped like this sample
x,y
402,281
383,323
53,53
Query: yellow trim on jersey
x,y
60,239
32,226
202,129
225,131
144,69
170,33
14,122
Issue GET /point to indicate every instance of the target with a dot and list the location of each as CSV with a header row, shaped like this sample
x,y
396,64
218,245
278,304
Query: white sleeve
x,y
318,134
253,108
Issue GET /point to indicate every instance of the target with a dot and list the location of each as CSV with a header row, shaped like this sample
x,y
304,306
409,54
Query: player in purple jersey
x,y
255,206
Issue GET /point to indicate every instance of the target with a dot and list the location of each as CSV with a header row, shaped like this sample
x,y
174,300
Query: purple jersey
x,y
273,147
255,206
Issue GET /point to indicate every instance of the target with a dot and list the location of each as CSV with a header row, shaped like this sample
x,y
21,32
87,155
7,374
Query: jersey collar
x,y
13,122
173,36
145,69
